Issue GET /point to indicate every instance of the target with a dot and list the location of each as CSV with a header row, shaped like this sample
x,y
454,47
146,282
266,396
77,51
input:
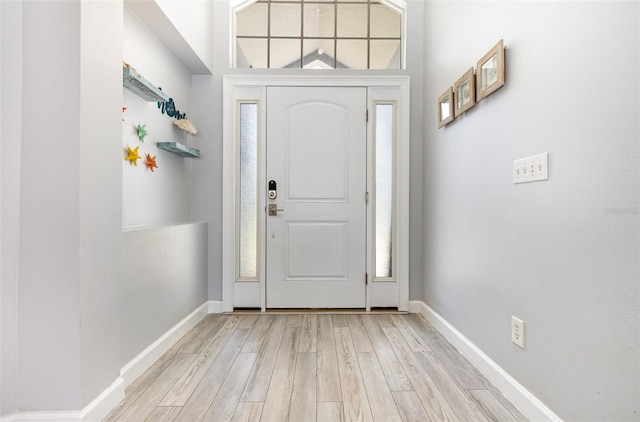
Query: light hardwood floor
x,y
308,367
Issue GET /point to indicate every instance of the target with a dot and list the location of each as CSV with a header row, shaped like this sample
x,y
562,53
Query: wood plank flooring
x,y
312,367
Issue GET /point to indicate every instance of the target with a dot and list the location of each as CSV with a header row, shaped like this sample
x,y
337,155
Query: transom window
x,y
319,34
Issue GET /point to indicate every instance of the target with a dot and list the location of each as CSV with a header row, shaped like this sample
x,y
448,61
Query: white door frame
x,y
253,88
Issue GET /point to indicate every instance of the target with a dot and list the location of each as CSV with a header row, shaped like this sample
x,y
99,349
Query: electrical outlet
x,y
517,331
531,169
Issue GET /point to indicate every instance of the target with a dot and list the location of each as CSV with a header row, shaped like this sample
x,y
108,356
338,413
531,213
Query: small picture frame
x,y
491,70
445,108
464,93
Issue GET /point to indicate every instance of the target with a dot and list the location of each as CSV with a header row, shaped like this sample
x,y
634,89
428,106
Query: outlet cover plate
x,y
517,331
531,169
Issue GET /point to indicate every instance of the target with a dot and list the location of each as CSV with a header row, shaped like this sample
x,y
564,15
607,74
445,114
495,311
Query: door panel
x,y
307,237
316,153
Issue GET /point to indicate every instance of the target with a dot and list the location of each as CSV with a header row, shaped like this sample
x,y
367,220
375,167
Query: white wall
x,y
184,26
164,258
100,194
193,20
61,189
62,198
48,293
562,254
10,127
163,280
207,111
164,195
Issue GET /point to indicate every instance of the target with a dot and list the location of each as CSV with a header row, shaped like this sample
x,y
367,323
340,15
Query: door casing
x,y
253,88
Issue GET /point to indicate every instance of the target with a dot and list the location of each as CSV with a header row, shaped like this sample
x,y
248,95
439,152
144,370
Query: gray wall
x,y
48,269
207,111
163,274
164,260
164,195
10,127
562,254
62,194
62,186
100,194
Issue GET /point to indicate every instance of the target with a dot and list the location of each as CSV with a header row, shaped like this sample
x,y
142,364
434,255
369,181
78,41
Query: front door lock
x,y
273,190
273,209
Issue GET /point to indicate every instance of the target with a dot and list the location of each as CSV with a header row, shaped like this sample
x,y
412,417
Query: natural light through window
x,y
319,34
248,221
384,197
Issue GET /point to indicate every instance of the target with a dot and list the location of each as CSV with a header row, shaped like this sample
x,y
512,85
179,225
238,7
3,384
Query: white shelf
x,y
135,83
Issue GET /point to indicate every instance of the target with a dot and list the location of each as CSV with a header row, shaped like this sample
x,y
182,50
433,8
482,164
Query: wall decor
x,y
445,108
133,155
137,84
151,162
491,71
187,126
169,107
464,92
179,149
142,132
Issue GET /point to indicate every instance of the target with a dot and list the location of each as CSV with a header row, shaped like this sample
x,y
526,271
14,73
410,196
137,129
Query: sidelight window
x,y
248,186
384,194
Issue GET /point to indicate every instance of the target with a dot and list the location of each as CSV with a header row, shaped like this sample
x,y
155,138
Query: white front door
x,y
317,157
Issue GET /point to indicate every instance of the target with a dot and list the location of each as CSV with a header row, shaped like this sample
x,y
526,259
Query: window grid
x,y
335,38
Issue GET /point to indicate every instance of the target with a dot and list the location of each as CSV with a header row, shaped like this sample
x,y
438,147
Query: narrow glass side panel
x,y
248,230
384,195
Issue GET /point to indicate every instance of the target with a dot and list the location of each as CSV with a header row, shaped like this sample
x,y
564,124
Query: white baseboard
x,y
109,398
61,416
100,407
148,356
215,306
94,412
519,396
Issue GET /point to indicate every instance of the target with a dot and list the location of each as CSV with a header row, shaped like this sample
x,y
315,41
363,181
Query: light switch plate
x,y
531,169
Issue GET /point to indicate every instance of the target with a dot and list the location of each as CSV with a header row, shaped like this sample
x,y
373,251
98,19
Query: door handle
x,y
273,209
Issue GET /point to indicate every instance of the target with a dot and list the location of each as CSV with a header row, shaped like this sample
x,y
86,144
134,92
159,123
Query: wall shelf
x,y
135,83
179,149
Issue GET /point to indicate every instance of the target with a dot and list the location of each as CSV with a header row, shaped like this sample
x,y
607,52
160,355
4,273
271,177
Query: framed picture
x,y
464,93
445,108
491,69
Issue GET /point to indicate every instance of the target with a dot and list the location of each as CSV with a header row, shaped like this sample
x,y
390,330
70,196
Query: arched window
x,y
319,34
